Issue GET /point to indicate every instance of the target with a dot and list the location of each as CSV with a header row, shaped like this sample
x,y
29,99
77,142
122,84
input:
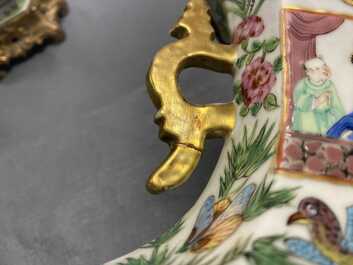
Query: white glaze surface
x,y
338,197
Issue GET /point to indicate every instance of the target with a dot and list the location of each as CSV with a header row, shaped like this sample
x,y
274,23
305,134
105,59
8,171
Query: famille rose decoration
x,y
25,24
282,192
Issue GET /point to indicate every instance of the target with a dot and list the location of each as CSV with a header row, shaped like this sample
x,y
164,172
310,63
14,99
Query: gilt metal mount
x,y
183,125
27,23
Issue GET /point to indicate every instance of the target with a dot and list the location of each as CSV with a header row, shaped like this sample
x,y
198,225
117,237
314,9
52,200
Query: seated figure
x,y
316,103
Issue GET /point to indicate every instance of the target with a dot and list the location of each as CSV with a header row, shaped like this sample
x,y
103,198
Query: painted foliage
x,y
239,200
315,139
217,221
257,73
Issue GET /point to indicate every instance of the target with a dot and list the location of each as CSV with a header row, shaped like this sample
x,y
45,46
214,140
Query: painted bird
x,y
217,221
329,246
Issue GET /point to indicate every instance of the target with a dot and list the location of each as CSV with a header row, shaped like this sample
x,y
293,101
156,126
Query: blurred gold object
x,y
183,125
39,21
349,2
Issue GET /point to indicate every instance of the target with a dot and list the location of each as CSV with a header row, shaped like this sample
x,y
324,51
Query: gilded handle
x,y
183,125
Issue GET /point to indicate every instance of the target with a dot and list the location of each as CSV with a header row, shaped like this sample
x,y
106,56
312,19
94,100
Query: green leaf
x,y
244,111
265,252
271,44
239,99
270,102
249,58
244,45
256,108
247,156
156,243
278,64
158,257
237,251
237,92
258,7
240,62
235,9
237,87
265,198
227,258
256,46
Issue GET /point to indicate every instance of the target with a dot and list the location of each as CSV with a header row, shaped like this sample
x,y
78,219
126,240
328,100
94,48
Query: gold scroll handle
x,y
183,125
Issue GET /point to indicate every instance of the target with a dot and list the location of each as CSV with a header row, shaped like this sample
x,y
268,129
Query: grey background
x,y
77,139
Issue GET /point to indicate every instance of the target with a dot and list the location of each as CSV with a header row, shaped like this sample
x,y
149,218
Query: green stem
x,y
240,3
258,7
244,4
229,189
233,8
251,4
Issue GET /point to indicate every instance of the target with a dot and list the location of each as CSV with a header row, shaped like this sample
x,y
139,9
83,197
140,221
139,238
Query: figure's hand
x,y
323,99
316,103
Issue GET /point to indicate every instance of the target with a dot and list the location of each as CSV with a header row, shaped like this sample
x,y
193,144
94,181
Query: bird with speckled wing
x,y
217,221
329,244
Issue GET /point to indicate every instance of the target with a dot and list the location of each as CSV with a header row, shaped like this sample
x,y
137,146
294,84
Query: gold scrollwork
x,y
183,125
38,22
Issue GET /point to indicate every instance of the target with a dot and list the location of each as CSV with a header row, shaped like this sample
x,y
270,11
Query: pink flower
x,y
258,79
251,27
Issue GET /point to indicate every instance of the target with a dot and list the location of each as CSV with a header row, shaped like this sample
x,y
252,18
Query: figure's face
x,y
318,74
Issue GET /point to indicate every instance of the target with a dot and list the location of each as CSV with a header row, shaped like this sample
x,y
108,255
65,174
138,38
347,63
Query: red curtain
x,y
302,30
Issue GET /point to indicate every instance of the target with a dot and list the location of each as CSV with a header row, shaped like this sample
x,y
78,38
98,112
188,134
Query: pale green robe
x,y
319,120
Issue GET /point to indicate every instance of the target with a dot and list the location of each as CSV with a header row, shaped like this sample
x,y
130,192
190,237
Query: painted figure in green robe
x,y
316,103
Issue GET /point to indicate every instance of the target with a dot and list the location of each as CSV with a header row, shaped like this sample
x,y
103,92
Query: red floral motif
x,y
258,79
251,27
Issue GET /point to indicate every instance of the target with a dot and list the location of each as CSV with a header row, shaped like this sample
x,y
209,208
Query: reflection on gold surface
x,y
183,125
11,8
349,2
37,22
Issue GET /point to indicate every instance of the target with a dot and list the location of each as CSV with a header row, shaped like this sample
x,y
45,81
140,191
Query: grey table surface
x,y
77,139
